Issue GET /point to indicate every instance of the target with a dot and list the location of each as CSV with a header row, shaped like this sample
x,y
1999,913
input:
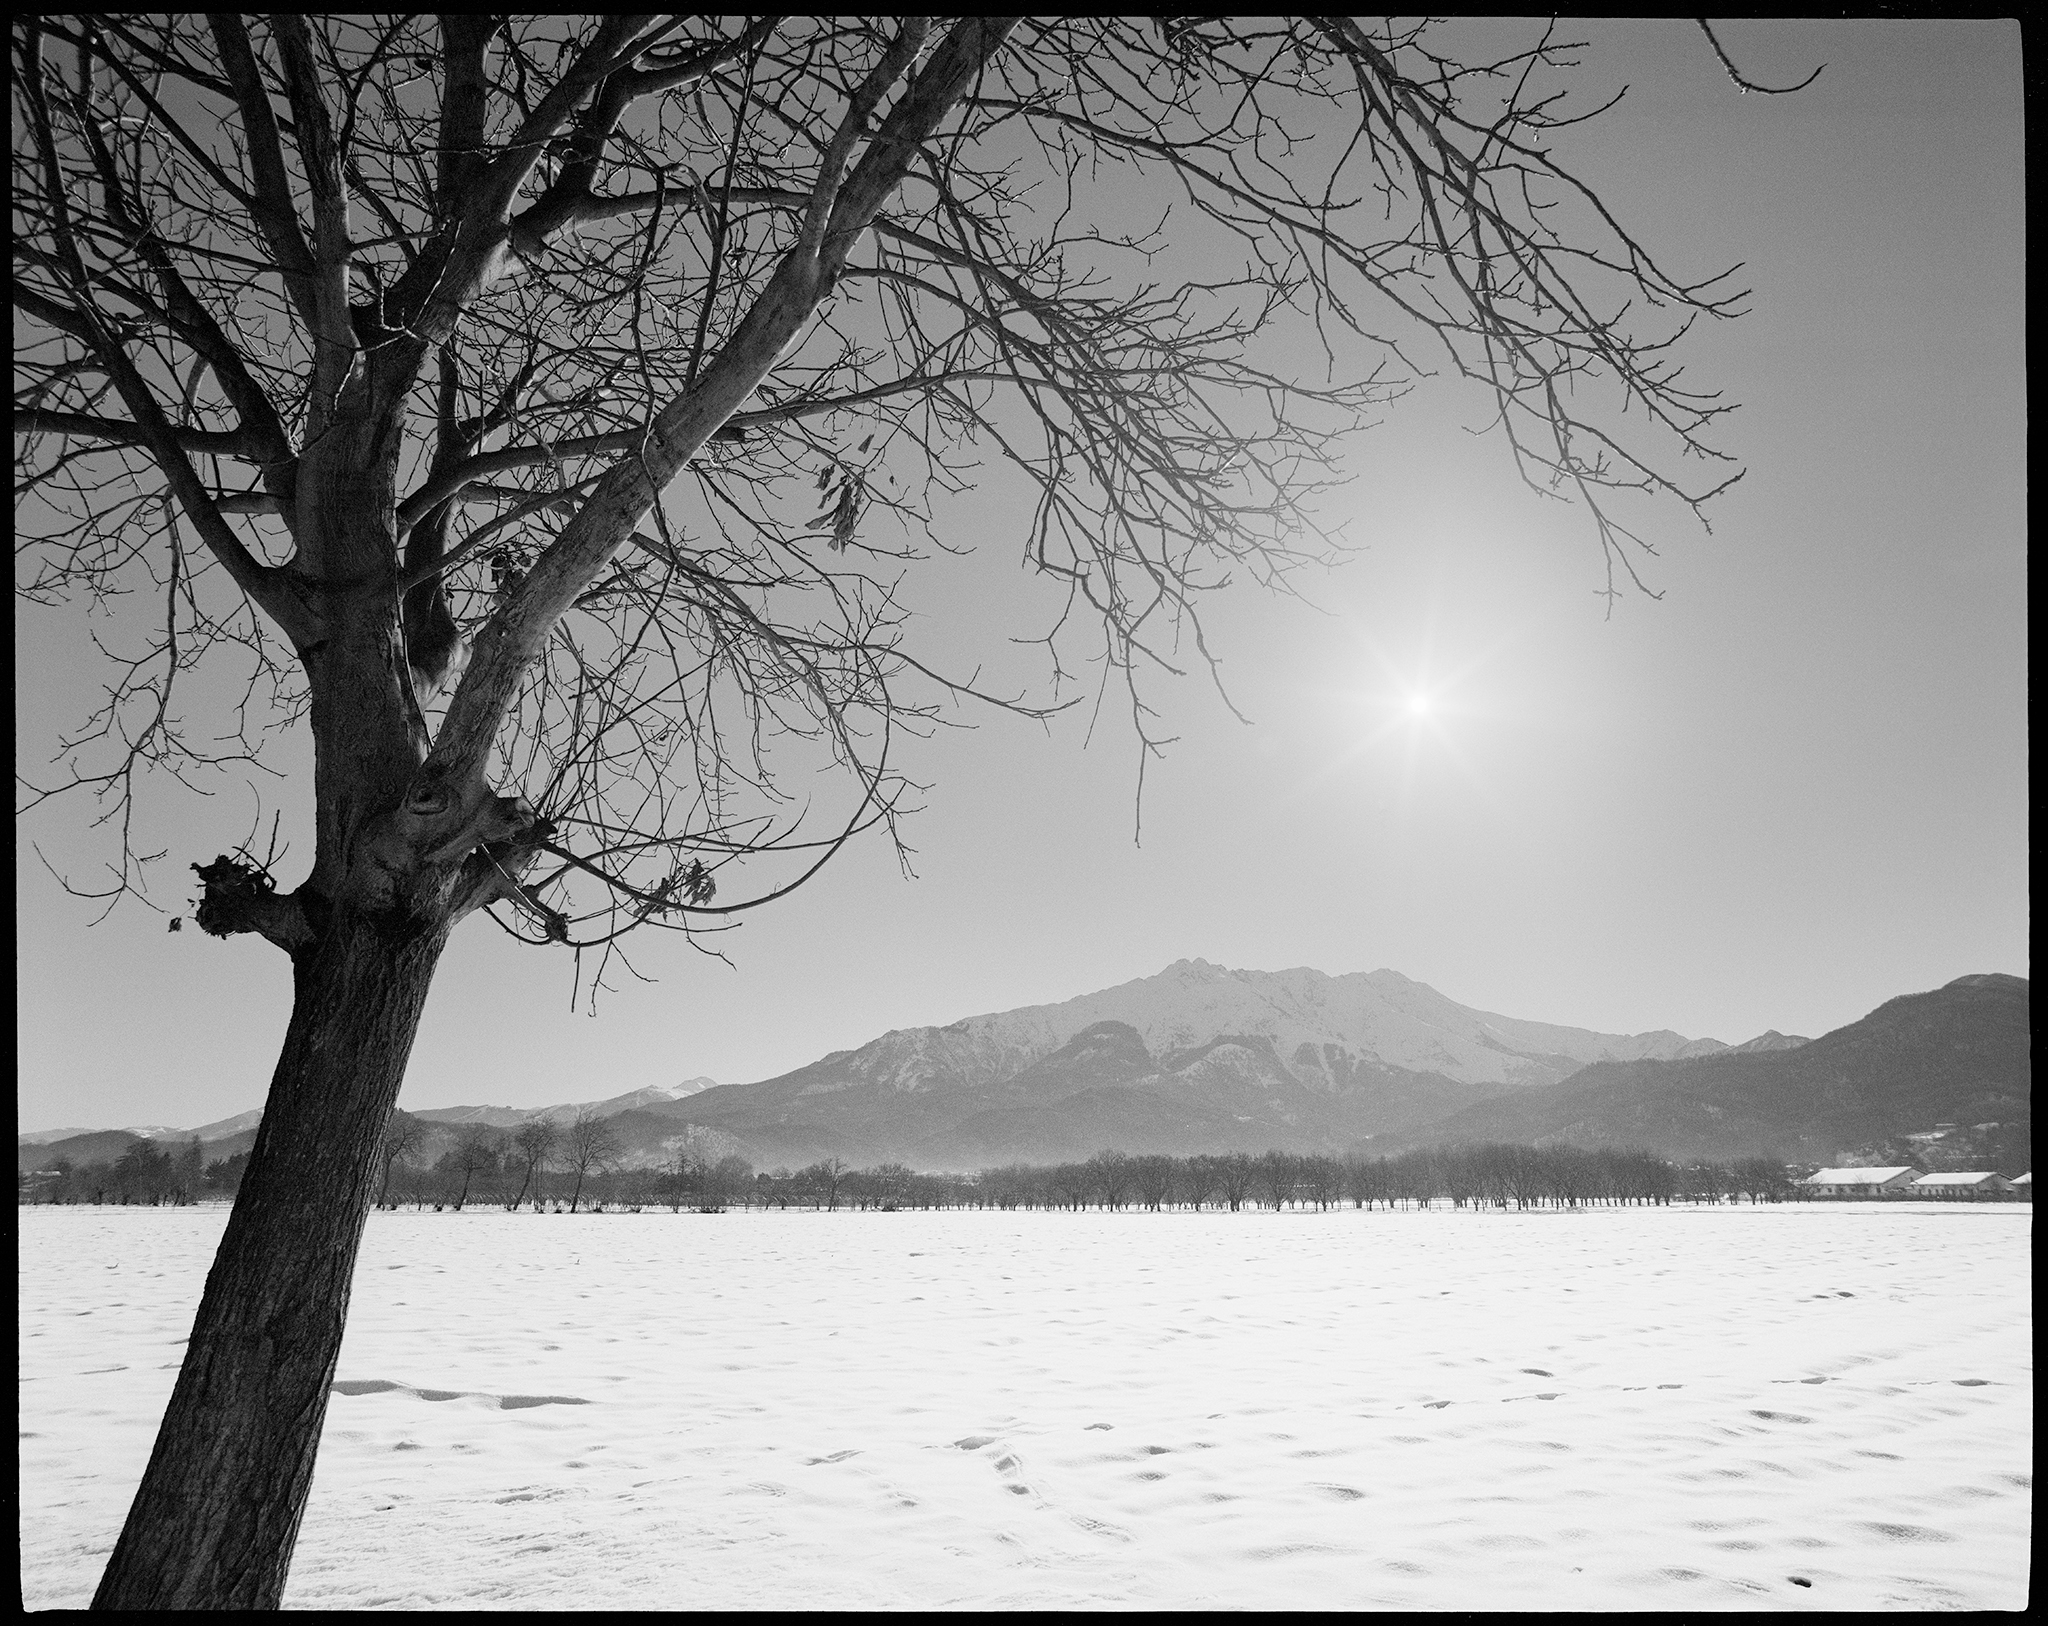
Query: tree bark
x,y
214,1521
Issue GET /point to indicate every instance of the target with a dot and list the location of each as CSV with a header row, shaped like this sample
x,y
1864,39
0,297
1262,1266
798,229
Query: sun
x,y
1418,705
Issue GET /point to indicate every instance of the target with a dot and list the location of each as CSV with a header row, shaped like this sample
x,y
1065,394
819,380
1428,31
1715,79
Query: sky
x,y
1788,790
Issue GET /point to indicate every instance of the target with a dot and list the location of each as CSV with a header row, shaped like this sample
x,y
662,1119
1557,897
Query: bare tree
x,y
477,1152
1233,1174
403,1135
1070,1185
1277,1174
541,412
1114,1177
532,1142
1152,1176
679,1177
590,1143
1322,1179
826,1177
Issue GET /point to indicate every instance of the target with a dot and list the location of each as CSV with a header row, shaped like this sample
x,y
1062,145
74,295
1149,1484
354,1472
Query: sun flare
x,y
1418,705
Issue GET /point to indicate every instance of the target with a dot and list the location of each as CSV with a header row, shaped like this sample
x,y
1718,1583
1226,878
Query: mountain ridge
x,y
1957,1053
1201,1057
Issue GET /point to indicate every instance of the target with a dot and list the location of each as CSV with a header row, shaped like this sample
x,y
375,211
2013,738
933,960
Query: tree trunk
x,y
213,1523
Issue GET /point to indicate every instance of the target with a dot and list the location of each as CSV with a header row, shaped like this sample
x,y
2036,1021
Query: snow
x,y
1621,1409
1377,1018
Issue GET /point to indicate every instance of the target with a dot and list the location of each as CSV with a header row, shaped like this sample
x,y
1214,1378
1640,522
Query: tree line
x,y
574,1166
1481,1176
545,1162
146,1174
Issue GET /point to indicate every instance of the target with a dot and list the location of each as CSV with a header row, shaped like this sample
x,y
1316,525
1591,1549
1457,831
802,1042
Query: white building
x,y
1961,1185
1858,1182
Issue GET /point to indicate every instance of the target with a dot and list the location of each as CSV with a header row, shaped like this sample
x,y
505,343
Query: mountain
x,y
220,1128
510,1117
1199,1057
1959,1054
1772,1040
224,1137
43,1137
1202,1058
79,1148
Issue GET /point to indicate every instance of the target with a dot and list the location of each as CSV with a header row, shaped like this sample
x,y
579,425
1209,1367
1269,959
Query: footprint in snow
x,y
836,1456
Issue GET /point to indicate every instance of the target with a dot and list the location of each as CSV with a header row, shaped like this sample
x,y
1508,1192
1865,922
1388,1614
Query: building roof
x,y
1855,1177
1956,1179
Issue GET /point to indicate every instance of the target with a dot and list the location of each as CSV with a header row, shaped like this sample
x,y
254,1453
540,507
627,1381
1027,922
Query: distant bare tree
x,y
1322,1179
1152,1177
1194,1180
678,1181
477,1152
891,1181
1236,1175
403,1135
591,1143
532,1142
1278,1174
1009,1187
1113,1178
1363,1180
826,1176
1761,1179
1071,1185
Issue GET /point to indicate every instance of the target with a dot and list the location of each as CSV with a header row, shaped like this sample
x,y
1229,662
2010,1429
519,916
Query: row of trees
x,y
145,1173
544,1163
535,1162
1498,1176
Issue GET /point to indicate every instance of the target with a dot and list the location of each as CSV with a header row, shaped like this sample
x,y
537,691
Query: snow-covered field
x,y
1635,1409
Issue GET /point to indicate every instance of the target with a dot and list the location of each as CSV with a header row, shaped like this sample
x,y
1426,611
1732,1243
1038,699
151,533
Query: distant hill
x,y
511,1117
1958,1054
224,1137
86,1146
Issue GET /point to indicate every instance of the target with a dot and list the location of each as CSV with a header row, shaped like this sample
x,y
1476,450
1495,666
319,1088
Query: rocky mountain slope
x,y
1960,1054
1199,1057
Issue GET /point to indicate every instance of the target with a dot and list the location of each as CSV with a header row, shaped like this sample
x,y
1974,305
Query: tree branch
x,y
204,442
1736,74
275,214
